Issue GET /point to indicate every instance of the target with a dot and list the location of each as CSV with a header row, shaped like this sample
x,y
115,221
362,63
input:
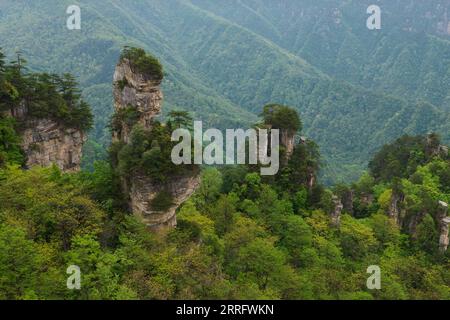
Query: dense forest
x,y
241,236
26,95
356,89
366,184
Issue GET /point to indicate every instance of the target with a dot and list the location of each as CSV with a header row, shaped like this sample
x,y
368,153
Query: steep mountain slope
x,y
226,60
409,56
37,29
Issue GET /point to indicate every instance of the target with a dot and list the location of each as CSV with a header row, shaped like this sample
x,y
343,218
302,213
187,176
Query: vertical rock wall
x,y
46,142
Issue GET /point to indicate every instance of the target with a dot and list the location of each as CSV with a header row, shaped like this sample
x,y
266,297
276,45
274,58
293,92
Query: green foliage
x,y
43,95
282,117
19,264
67,214
337,74
255,242
401,158
162,201
143,63
148,153
10,150
128,116
427,235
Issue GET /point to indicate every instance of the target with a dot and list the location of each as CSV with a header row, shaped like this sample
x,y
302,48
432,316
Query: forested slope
x,y
408,57
226,60
240,236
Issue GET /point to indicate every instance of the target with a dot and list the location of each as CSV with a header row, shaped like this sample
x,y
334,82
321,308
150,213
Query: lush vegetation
x,y
240,236
149,151
42,96
281,117
10,150
143,63
402,158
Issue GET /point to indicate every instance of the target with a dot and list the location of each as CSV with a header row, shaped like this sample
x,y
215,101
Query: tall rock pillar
x,y
138,100
444,223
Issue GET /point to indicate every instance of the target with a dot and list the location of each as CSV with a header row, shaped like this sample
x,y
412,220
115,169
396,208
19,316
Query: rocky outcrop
x,y
412,221
134,89
287,140
444,223
394,207
142,92
46,142
143,191
337,212
347,199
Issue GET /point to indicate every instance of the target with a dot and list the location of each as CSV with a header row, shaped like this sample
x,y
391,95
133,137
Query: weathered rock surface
x,y
287,140
143,190
394,210
444,223
46,142
136,90
347,201
337,212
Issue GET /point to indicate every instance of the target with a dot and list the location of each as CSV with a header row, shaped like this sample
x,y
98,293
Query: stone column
x,y
444,223
347,201
336,214
394,211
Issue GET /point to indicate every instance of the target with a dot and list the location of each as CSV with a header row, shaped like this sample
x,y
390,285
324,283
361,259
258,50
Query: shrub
x,y
129,115
122,84
10,150
282,117
162,202
143,63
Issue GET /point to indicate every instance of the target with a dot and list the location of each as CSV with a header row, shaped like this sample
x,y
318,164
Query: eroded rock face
x,y
444,223
443,25
135,90
287,140
142,92
394,210
143,190
347,201
337,212
46,142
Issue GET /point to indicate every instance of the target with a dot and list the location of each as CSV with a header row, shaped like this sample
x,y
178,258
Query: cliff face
x,y
46,142
143,190
136,90
287,140
143,93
